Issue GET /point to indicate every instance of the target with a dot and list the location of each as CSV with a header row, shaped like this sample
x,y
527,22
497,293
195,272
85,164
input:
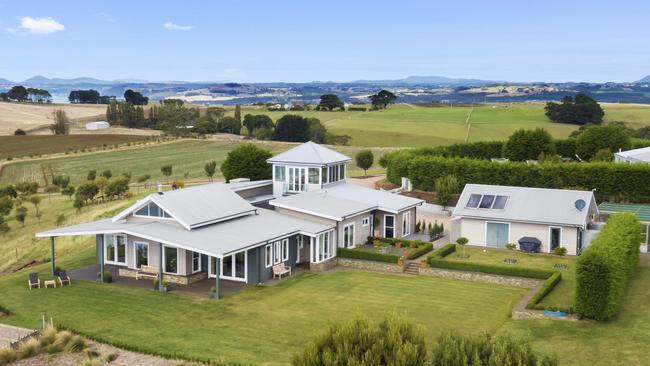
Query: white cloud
x,y
177,27
40,25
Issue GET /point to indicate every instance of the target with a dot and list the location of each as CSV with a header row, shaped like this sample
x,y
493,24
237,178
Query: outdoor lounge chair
x,y
34,280
280,269
148,272
63,277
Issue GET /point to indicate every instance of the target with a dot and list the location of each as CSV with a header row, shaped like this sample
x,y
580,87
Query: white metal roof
x,y
526,204
344,200
640,155
309,153
217,240
197,206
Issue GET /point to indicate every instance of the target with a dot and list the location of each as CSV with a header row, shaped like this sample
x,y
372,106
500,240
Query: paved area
x,y
10,335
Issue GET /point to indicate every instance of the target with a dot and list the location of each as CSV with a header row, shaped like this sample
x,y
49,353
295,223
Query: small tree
x,y
445,188
210,168
60,220
21,214
107,174
364,160
6,204
394,341
92,174
61,181
69,191
462,241
4,227
166,170
61,125
603,155
35,200
247,161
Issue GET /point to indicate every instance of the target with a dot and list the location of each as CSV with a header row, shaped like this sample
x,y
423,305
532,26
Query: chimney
x,y
160,191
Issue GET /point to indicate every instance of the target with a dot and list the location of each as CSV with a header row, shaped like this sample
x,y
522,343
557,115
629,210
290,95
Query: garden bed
x,y
558,293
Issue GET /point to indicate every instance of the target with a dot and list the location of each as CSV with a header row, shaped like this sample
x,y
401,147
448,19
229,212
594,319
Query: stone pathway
x,y
9,334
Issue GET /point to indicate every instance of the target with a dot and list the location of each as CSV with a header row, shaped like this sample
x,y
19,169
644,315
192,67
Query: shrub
x,y
528,145
247,161
490,268
370,256
445,187
606,266
559,251
29,348
454,349
443,251
75,344
612,181
53,348
357,109
111,357
7,356
394,341
62,338
546,288
48,336
420,251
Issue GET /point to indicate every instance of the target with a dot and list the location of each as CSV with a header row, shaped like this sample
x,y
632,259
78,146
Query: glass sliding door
x,y
497,234
234,267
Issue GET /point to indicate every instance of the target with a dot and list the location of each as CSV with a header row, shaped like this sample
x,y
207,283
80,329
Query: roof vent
x,y
580,204
160,191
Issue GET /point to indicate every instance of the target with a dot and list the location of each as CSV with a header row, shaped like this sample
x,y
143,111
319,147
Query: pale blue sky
x,y
296,40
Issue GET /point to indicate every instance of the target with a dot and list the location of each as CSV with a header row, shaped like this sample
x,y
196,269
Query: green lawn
x,y
622,341
258,324
562,294
185,156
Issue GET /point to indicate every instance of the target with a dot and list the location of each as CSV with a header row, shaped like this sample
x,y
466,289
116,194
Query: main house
x,y
226,231
494,216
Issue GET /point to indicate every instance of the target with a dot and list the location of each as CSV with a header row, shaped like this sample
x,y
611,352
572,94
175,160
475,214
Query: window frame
x,y
283,170
164,254
163,214
268,255
114,260
285,250
277,252
406,226
392,227
135,253
194,269
309,175
365,221
350,228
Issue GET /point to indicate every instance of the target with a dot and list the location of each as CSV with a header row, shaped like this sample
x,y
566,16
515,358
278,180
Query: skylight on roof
x,y
487,201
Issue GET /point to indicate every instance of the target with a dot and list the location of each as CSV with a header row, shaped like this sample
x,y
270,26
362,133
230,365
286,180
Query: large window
x,y
325,175
285,249
170,260
277,252
406,223
323,247
314,176
297,179
141,254
152,210
268,255
389,226
348,236
279,173
115,248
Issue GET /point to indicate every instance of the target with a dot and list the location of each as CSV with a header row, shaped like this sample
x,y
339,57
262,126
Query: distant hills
x,y
644,80
428,80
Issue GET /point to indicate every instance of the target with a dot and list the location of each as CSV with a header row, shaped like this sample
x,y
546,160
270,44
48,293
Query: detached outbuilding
x,y
98,125
493,216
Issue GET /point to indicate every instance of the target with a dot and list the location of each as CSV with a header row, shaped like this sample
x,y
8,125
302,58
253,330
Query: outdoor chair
x,y
280,269
64,278
34,280
148,272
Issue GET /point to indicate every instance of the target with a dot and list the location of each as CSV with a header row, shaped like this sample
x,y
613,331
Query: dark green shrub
x,y
394,341
443,251
604,269
546,288
487,268
486,350
420,251
370,256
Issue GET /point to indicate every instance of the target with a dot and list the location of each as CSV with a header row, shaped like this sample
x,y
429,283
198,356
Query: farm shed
x,y
98,125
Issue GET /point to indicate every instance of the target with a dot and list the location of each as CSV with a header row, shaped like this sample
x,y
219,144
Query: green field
x,y
187,156
17,146
562,294
414,126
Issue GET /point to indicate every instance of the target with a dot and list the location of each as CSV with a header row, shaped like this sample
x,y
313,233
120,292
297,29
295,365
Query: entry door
x,y
556,234
497,234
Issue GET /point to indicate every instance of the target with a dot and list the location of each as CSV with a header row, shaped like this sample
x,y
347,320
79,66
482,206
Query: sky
x,y
302,41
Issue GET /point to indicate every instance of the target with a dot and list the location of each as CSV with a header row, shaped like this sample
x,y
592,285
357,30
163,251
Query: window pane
x,y
226,269
240,265
196,261
143,211
141,255
341,171
213,265
474,200
500,202
324,174
121,248
268,255
486,202
171,260
110,248
154,210
279,173
285,250
313,176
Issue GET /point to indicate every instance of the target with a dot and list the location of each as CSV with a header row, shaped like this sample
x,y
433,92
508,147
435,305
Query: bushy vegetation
x,y
546,288
247,161
580,110
393,341
366,255
528,145
613,182
604,269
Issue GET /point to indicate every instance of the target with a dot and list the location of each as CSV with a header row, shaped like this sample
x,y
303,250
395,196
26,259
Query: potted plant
x,y
400,261
108,277
376,241
424,263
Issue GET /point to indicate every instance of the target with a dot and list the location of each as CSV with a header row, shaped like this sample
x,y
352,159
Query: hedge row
x,y
546,288
493,269
421,250
369,256
612,181
604,269
443,251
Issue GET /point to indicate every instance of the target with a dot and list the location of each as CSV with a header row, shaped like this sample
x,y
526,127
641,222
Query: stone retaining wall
x,y
167,278
324,266
370,265
480,277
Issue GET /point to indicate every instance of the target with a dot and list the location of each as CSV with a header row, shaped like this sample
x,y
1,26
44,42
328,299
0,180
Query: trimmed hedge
x,y
604,269
493,269
443,251
369,256
612,181
421,250
546,288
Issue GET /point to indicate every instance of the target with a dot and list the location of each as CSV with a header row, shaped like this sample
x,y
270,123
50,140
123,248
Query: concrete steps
x,y
413,268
